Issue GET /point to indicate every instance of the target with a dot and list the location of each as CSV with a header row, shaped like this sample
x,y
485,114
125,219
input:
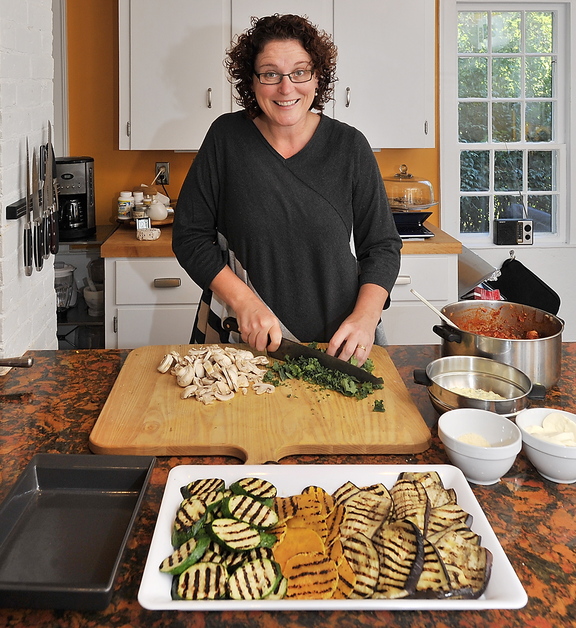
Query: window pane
x,y
539,122
541,171
474,170
473,122
539,31
472,31
506,122
541,211
508,206
472,77
539,77
506,32
474,214
506,77
508,170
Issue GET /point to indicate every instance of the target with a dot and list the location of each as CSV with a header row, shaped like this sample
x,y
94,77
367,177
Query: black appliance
x,y
77,215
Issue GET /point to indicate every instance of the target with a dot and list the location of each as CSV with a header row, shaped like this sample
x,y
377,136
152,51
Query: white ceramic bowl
x,y
554,462
480,465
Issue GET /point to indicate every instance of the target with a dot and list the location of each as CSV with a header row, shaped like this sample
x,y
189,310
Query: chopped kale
x,y
379,406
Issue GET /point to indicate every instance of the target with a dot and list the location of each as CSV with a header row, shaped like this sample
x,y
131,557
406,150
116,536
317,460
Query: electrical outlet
x,y
162,172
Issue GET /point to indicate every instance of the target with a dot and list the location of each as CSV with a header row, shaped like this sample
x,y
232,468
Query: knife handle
x,y
230,324
46,235
38,261
27,249
53,226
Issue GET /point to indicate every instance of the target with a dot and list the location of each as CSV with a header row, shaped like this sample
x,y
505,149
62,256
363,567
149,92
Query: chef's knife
x,y
46,178
54,209
38,259
28,224
295,350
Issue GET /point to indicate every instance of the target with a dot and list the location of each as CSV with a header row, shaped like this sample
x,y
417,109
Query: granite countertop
x,y
52,407
123,243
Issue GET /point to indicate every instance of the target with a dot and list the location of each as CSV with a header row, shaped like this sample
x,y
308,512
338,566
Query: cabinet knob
x,y
348,96
167,282
209,98
403,280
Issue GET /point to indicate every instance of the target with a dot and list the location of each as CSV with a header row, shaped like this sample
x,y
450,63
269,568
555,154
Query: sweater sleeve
x,y
194,237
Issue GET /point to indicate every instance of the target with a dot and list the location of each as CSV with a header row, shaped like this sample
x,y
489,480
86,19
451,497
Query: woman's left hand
x,y
355,336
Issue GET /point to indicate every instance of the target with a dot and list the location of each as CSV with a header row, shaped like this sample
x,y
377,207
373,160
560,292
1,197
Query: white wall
x,y
27,304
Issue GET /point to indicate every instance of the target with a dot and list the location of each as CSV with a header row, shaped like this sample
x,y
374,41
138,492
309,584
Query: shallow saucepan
x,y
444,375
540,358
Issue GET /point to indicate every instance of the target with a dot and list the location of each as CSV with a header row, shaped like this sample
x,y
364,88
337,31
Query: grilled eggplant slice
x,y
202,581
459,527
250,510
432,482
400,546
434,580
411,502
185,556
190,517
254,580
468,565
363,558
365,512
343,493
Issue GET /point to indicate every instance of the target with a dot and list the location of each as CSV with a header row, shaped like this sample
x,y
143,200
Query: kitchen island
x,y
53,406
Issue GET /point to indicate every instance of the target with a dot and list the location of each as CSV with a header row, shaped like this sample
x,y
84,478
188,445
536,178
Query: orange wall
x,y
92,33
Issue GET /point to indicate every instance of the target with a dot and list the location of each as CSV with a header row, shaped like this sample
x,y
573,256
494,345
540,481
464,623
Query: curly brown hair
x,y
241,56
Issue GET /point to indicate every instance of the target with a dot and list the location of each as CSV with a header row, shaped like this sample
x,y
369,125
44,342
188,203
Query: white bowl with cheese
x,y
549,442
482,444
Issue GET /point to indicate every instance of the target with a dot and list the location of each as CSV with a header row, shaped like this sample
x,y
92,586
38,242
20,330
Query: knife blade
x,y
38,259
54,210
28,224
295,350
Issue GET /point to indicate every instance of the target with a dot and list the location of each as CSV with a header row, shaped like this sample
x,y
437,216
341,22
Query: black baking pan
x,y
64,526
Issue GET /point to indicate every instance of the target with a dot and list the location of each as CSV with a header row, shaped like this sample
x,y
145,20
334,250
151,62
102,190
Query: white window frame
x,y
449,147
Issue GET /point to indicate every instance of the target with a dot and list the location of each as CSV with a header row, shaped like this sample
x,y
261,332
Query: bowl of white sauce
x,y
549,442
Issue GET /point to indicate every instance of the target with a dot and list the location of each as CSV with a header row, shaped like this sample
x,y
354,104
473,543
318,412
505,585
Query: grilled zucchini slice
x,y
203,487
238,536
250,510
259,489
190,517
254,580
185,556
202,581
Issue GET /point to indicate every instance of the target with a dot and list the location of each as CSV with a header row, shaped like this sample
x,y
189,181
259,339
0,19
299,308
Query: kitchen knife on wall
x,y
53,196
45,200
295,350
38,238
28,225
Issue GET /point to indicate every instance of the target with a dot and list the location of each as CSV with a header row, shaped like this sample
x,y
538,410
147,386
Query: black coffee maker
x,y
77,217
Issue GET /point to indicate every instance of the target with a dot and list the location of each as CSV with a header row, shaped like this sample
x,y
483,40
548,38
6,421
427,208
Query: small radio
x,y
513,231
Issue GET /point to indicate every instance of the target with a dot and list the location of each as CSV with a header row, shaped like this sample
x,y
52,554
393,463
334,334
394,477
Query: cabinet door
x,y
386,70
172,83
158,325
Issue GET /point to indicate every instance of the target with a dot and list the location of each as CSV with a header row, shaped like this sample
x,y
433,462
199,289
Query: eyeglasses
x,y
274,78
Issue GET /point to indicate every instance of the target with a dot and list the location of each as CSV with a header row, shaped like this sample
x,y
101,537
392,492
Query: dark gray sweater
x,y
289,222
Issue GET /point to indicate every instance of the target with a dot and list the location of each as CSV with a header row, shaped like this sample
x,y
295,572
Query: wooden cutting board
x,y
145,415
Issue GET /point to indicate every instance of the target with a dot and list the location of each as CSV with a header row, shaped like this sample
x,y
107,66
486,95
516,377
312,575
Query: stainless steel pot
x,y
539,358
446,375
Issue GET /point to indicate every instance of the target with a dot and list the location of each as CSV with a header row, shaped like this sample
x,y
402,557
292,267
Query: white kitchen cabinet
x,y
149,301
408,321
173,83
386,70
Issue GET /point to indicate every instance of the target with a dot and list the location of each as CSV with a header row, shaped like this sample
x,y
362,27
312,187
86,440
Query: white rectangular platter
x,y
504,589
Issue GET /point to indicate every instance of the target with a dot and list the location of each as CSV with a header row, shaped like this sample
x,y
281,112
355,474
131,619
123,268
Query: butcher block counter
x,y
123,243
53,407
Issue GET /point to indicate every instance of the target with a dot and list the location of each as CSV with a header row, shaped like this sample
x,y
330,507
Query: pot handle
x,y
449,334
420,377
538,391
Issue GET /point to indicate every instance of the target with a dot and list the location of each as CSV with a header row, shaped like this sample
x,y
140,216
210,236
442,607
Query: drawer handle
x,y
403,280
167,282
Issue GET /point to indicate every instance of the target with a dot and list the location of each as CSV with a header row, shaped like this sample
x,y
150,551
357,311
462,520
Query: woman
x,y
283,219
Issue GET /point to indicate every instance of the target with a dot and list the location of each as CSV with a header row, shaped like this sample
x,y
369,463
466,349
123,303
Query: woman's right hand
x,y
257,324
